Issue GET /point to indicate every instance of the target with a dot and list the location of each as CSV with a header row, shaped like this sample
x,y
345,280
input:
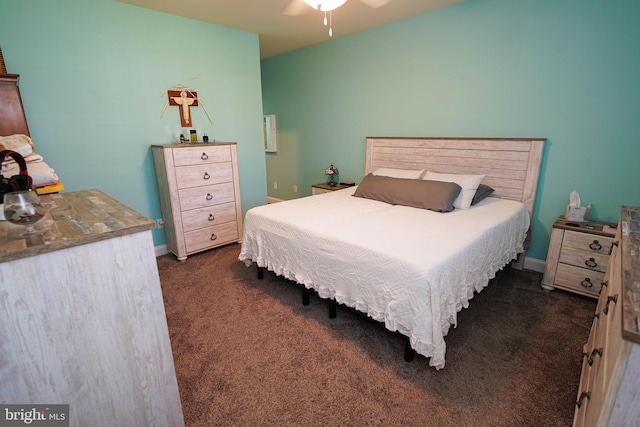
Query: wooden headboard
x,y
11,111
510,165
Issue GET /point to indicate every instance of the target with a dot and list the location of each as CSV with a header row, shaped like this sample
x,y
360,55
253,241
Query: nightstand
x,y
326,188
578,256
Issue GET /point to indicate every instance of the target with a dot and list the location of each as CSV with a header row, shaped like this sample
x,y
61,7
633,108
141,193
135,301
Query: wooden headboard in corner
x,y
13,118
510,165
13,121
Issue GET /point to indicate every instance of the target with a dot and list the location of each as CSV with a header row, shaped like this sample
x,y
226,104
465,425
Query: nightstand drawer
x,y
315,191
587,242
326,188
583,259
580,279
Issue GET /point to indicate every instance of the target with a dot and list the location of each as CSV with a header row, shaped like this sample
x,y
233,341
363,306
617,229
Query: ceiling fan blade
x,y
296,8
375,3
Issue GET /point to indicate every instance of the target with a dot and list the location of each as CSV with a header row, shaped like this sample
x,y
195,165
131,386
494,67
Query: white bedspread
x,y
412,269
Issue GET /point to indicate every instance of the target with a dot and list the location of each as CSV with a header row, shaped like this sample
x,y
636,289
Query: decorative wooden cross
x,y
185,100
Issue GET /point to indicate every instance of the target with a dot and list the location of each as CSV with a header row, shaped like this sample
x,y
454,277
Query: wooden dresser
x,y
578,256
199,196
82,320
609,392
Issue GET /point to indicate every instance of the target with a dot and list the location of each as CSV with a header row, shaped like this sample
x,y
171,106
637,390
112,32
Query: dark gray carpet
x,y
247,352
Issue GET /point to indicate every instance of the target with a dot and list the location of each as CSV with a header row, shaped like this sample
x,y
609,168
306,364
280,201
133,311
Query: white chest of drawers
x,y
199,196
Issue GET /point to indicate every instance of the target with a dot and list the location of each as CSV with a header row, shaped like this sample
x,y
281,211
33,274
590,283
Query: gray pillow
x,y
436,196
482,192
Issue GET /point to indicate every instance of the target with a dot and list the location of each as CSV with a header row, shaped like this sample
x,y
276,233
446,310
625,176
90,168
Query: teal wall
x,y
91,77
566,70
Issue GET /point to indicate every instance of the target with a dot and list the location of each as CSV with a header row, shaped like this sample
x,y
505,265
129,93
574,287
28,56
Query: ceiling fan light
x,y
325,5
313,4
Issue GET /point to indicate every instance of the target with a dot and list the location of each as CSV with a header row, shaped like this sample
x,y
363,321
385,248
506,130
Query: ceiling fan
x,y
300,7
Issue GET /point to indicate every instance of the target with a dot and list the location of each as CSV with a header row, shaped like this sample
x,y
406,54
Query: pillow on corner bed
x,y
469,184
482,192
399,173
436,196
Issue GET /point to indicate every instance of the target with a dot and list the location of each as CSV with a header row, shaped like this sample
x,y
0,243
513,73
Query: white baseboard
x,y
528,264
161,250
534,264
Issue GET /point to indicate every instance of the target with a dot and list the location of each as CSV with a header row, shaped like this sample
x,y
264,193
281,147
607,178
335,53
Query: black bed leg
x,y
305,296
408,351
260,272
332,308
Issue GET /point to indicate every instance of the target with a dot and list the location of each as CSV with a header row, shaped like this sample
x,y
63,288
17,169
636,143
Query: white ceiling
x,y
281,33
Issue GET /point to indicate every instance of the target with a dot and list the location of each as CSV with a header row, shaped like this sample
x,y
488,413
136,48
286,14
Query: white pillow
x,y
469,184
19,143
399,173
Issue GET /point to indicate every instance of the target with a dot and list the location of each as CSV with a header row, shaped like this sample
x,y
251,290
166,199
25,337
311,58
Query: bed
x,y
411,268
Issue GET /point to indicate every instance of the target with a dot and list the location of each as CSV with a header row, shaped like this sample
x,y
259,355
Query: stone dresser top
x,y
73,218
630,235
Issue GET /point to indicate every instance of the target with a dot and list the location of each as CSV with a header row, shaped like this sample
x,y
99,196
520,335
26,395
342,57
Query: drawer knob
x,y
586,283
591,263
584,394
610,298
596,351
595,317
211,217
616,244
596,246
213,236
206,175
209,196
602,286
204,156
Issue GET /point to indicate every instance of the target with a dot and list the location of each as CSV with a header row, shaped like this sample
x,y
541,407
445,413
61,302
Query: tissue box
x,y
575,213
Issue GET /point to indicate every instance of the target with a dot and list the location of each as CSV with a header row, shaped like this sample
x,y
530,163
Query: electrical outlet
x,y
275,185
295,188
160,223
